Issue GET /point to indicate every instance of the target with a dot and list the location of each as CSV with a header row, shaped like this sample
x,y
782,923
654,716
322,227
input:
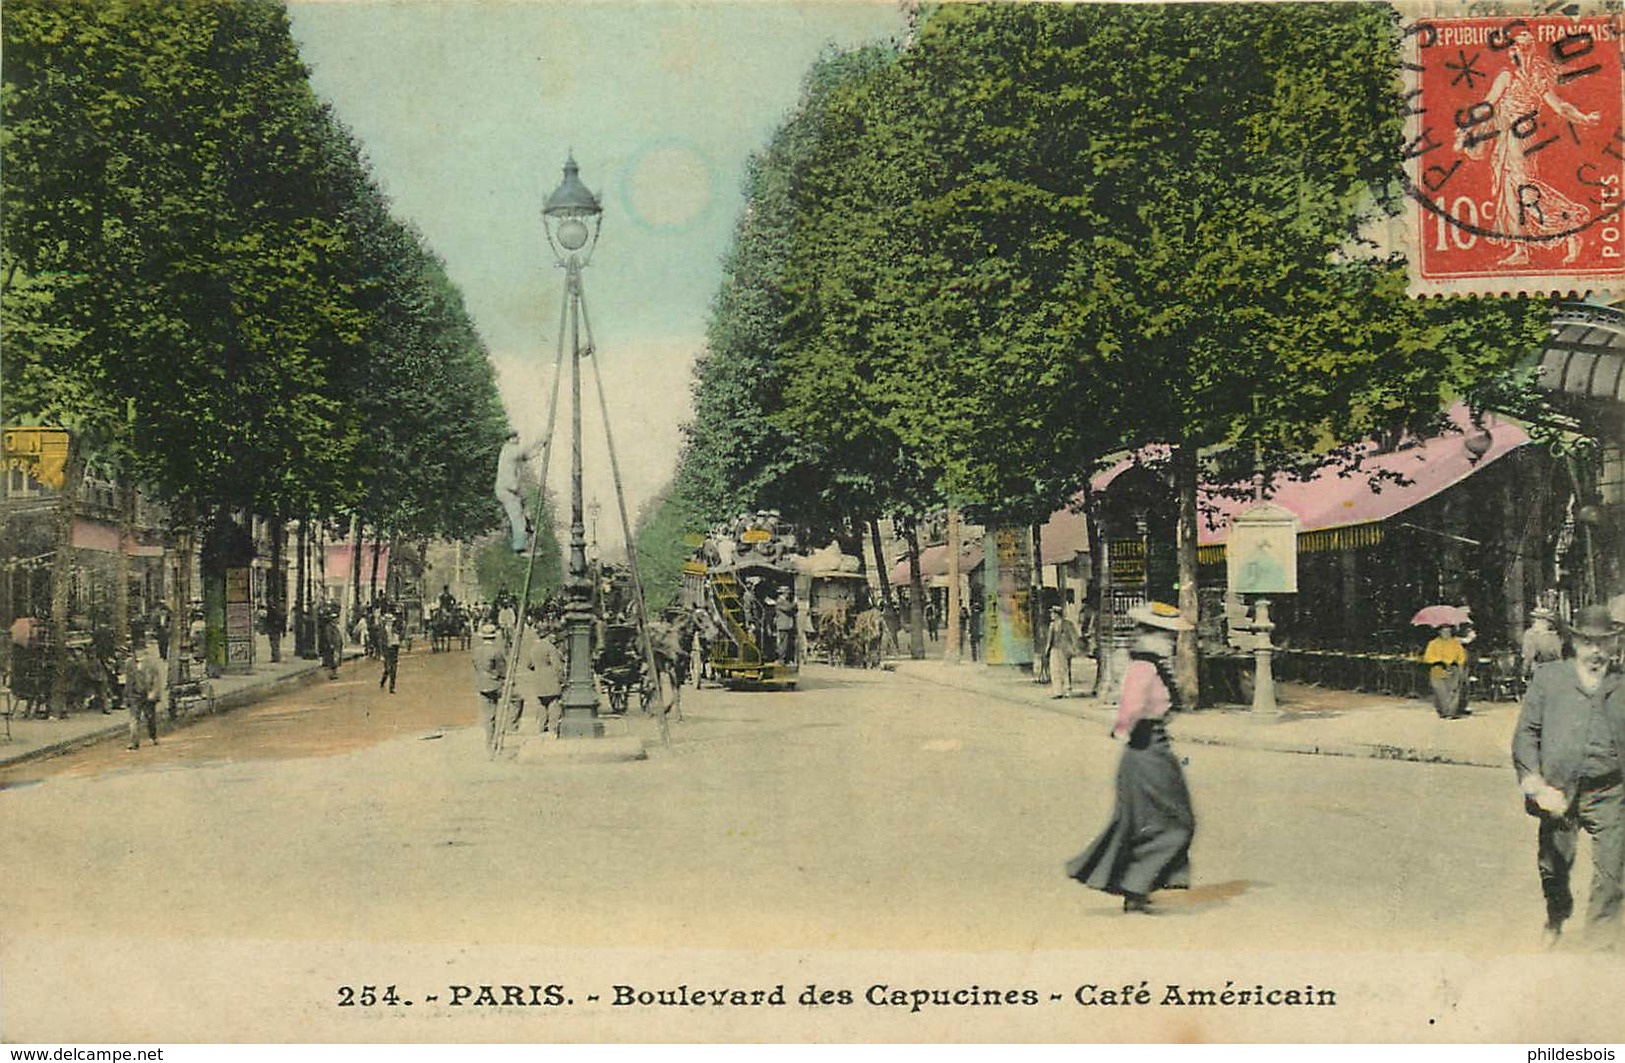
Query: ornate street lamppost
x,y
571,218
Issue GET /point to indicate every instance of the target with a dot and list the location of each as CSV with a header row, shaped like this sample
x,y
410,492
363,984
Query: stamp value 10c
x,y
1515,154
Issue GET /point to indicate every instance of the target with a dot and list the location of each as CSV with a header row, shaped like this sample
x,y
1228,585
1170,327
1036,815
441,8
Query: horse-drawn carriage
x,y
448,624
92,677
621,669
850,640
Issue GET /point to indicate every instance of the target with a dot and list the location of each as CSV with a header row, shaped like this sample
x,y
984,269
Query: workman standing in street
x,y
490,667
541,680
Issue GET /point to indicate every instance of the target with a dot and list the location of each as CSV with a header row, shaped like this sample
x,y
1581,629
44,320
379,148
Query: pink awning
x,y
934,562
1330,499
1064,537
338,561
1335,498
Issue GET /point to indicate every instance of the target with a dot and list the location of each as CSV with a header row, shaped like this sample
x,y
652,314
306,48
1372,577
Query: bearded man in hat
x,y
1569,753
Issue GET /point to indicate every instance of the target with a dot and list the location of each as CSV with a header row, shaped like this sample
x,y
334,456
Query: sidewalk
x,y
35,739
1311,720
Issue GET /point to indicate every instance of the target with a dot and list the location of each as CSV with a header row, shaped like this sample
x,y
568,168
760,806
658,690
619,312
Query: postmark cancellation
x,y
1515,153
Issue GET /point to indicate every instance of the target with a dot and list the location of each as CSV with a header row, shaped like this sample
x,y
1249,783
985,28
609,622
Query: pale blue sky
x,y
466,110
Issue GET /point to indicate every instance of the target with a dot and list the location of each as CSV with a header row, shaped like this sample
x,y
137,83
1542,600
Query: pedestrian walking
x,y
541,681
1569,752
1146,846
159,625
391,633
145,682
490,668
1542,643
974,623
1446,659
1060,647
330,640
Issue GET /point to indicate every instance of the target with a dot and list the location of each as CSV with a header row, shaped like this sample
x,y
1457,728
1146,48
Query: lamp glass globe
x,y
572,233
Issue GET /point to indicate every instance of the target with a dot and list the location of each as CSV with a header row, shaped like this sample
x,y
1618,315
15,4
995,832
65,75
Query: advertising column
x,y
1007,573
239,621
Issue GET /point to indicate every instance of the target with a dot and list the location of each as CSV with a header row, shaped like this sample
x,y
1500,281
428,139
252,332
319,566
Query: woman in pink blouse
x,y
1146,846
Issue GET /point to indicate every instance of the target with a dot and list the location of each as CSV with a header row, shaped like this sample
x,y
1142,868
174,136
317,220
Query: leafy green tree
x,y
202,282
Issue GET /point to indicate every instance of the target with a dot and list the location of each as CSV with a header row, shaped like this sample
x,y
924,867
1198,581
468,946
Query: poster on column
x,y
1007,573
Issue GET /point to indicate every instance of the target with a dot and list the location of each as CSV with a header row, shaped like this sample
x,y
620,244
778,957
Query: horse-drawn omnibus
x,y
743,577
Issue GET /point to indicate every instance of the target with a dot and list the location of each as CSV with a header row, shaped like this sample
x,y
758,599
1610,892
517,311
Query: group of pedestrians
x,y
1568,751
538,680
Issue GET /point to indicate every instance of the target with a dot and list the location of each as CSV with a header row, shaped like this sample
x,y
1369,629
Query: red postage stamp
x,y
1515,154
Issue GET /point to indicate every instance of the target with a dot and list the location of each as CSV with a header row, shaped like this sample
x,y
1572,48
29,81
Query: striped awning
x,y
1585,355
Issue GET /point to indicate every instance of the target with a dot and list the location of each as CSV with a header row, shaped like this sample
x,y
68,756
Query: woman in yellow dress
x,y
1446,658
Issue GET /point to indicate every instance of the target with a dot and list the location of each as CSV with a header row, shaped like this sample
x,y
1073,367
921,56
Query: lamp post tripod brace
x,y
572,217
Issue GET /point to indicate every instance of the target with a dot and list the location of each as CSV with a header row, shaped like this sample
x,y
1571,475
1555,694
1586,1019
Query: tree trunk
x,y
952,649
889,612
392,578
1185,655
276,591
73,474
1100,582
377,548
1037,615
301,590
1512,580
357,527
881,574
121,565
916,590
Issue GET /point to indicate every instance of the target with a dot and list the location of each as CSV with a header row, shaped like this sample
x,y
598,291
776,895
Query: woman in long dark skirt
x,y
1146,846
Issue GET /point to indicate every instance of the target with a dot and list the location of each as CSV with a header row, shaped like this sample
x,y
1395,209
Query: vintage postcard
x,y
1078,590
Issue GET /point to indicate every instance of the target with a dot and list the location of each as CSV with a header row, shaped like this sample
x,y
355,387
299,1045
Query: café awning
x,y
934,563
1065,536
1338,507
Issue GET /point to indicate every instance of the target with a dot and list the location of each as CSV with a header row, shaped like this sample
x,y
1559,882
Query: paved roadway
x,y
866,811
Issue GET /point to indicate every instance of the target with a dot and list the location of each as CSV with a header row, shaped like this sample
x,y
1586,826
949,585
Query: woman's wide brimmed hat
x,y
1593,622
1160,615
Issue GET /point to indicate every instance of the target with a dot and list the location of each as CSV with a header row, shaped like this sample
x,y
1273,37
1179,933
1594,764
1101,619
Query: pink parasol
x,y
1441,616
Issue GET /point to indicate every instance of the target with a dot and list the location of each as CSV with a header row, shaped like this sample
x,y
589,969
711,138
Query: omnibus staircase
x,y
725,588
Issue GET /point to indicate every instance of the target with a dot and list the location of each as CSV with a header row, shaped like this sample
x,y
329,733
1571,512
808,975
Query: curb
x,y
236,699
67,745
1358,750
1093,710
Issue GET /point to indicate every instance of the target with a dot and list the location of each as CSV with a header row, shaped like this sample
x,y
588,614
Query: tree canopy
x,y
973,266
200,272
